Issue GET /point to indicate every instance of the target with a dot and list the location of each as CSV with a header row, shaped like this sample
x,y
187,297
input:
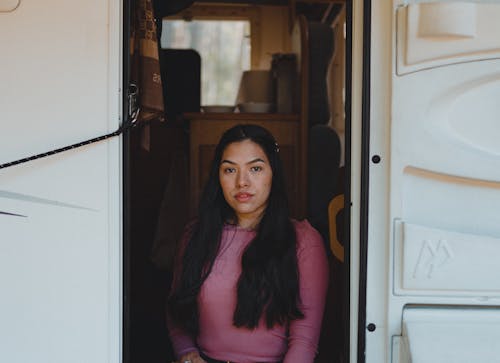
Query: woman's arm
x,y
182,342
313,278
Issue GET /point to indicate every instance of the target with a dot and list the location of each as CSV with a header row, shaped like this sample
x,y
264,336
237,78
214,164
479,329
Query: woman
x,y
251,283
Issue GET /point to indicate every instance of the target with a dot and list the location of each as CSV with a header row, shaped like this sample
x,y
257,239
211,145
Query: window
x,y
225,50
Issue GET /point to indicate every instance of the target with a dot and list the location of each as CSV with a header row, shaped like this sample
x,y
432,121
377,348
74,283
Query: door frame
x,y
358,159
126,78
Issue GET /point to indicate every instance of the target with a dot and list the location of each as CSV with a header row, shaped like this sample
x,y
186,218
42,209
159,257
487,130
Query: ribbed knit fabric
x,y
220,339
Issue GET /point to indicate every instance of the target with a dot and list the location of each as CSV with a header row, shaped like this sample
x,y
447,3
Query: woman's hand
x,y
191,357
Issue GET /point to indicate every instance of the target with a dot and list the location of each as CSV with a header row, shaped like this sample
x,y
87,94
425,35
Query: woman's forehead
x,y
245,151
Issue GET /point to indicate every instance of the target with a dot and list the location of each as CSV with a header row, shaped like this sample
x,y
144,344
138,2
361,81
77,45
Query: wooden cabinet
x,y
206,130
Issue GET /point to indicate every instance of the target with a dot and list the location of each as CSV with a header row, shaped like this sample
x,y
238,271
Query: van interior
x,y
277,63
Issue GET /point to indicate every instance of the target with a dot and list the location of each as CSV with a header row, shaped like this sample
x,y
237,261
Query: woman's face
x,y
246,176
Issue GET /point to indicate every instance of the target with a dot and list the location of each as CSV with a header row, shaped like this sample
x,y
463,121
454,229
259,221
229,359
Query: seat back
x,y
181,81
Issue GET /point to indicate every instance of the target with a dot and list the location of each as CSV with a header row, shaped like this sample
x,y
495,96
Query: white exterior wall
x,y
60,264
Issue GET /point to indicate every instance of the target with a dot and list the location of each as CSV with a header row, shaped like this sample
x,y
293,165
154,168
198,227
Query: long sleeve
x,y
313,278
182,342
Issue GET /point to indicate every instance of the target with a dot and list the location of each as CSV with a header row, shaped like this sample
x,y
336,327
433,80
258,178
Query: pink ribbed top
x,y
220,339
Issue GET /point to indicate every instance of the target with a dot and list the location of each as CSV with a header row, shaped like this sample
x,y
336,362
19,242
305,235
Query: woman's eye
x,y
256,168
229,170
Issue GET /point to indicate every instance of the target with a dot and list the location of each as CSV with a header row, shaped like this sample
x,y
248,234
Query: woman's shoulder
x,y
307,235
303,226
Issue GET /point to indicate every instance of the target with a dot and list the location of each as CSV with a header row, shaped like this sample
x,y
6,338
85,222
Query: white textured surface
x,y
436,20
426,38
458,335
437,261
8,5
60,265
439,171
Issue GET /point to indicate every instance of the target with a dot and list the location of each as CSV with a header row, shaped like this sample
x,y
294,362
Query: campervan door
x,y
430,182
60,216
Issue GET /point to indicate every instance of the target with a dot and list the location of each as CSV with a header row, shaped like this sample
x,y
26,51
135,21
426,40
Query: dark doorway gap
x,y
145,337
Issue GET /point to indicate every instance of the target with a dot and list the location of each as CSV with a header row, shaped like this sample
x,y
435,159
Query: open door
x,y
60,215
430,183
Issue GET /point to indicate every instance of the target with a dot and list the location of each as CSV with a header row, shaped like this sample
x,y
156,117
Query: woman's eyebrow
x,y
257,160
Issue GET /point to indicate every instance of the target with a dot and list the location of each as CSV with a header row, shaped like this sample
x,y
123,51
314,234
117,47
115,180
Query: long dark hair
x,y
269,282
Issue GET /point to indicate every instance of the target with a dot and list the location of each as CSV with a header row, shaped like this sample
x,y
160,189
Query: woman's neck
x,y
250,223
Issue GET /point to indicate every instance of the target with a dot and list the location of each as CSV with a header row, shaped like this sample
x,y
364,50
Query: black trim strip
x,y
347,176
365,180
126,66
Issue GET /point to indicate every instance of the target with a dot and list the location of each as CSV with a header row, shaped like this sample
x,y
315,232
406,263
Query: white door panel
x,y
55,74
60,216
433,225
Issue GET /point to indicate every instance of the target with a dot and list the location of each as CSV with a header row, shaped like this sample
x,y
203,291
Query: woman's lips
x,y
243,197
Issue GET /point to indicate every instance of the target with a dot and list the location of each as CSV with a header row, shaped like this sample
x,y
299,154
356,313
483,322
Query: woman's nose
x,y
242,179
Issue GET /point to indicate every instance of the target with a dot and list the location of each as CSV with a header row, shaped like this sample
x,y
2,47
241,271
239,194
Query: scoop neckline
x,y
238,228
